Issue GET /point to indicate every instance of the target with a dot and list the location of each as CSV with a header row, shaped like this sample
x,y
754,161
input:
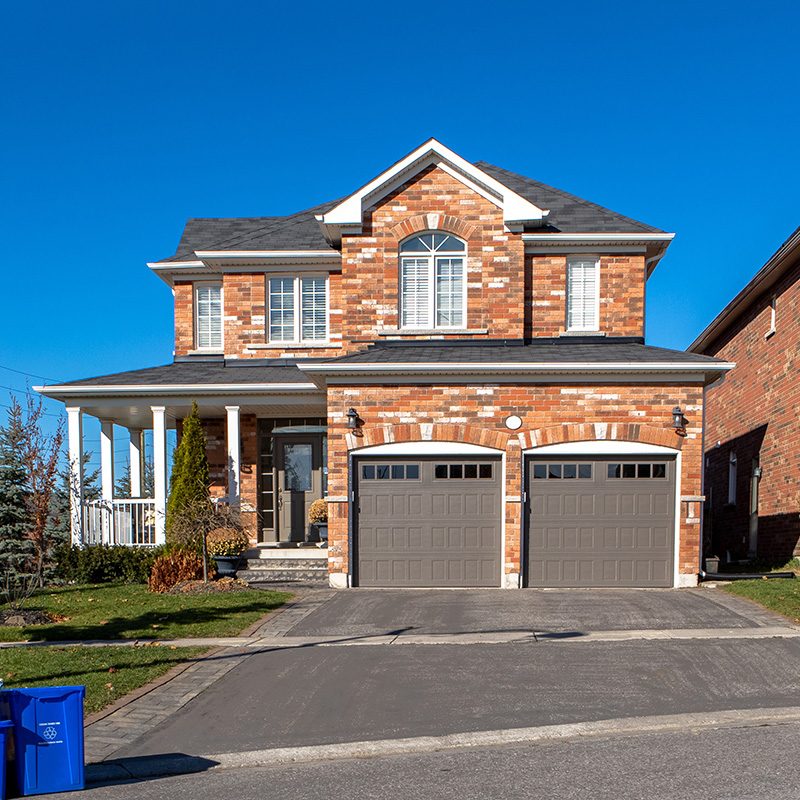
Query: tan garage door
x,y
428,522
601,522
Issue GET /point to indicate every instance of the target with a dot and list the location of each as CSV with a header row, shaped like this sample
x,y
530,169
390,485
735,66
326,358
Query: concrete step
x,y
285,563
317,575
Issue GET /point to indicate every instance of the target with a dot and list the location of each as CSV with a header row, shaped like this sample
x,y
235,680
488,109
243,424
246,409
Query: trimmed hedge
x,y
105,563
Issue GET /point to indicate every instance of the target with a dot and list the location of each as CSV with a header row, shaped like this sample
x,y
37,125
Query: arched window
x,y
433,281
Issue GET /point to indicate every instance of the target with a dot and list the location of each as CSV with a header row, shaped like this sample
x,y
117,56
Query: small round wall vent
x,y
513,422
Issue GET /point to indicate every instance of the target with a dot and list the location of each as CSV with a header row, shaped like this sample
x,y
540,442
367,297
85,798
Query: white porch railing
x,y
127,522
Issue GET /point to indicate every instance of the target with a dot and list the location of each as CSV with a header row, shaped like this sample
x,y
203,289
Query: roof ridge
x,y
573,197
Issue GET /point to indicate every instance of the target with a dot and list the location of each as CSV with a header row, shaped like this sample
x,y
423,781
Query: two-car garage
x,y
599,520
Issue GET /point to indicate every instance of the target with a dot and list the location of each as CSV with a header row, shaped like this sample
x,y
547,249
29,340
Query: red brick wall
x,y
754,413
622,286
432,200
637,413
245,319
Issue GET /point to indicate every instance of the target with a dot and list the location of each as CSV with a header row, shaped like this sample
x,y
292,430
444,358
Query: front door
x,y
298,462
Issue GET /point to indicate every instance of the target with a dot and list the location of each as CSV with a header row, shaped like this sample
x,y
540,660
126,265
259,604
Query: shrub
x,y
318,512
175,567
105,563
226,542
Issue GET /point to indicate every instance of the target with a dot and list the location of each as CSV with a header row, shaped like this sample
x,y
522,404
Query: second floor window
x,y
208,316
298,309
583,294
433,281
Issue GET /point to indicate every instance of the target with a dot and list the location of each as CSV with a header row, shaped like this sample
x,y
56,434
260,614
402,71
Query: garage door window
x,y
562,471
462,471
386,472
636,471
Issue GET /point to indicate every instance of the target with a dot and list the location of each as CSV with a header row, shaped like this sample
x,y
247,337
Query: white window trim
x,y
432,293
196,317
583,328
773,316
297,340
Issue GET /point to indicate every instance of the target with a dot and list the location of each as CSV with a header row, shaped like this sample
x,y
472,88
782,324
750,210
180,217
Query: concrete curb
x,y
161,766
492,637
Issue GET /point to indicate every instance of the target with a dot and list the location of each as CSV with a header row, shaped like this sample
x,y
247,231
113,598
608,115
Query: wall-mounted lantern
x,y
353,420
678,420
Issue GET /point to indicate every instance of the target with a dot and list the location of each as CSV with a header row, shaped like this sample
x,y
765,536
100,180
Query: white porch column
x,y
234,455
107,478
160,471
136,461
75,446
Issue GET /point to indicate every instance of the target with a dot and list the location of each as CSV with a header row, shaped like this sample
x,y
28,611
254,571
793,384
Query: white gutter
x,y
600,238
564,366
268,254
176,388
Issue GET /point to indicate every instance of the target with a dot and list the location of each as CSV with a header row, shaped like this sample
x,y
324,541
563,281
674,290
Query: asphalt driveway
x,y
373,612
314,695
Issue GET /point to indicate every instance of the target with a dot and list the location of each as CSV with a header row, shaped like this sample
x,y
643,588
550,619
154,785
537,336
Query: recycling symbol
x,y
49,733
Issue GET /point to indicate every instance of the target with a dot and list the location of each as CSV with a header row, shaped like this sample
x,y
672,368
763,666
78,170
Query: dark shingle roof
x,y
540,351
202,372
568,213
301,231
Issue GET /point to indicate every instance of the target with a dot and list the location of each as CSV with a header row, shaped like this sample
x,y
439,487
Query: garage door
x,y
428,522
601,522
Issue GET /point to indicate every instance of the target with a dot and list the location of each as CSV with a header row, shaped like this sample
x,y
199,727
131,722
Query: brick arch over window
x,y
590,431
430,432
433,222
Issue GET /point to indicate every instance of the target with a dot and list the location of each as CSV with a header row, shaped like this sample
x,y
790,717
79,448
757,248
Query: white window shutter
x,y
582,294
415,292
313,309
208,313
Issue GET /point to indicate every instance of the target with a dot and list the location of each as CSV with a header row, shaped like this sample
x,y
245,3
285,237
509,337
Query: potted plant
x,y
225,546
318,518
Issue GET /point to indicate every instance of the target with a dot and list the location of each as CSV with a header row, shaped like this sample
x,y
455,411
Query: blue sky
x,y
120,120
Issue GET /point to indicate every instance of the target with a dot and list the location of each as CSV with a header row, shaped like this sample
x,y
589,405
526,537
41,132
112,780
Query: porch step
x,y
288,570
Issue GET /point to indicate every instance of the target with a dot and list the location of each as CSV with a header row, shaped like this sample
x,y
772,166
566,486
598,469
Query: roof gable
x,y
348,214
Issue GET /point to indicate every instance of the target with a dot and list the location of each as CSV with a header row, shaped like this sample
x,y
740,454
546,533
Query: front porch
x,y
266,430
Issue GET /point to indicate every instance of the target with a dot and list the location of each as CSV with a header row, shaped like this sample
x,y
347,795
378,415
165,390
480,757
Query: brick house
x,y
454,357
752,429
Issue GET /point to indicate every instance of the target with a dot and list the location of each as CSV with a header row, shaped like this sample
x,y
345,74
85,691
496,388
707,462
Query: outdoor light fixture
x,y
678,420
353,419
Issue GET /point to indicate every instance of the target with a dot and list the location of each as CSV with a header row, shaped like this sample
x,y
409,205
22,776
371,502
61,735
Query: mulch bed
x,y
26,616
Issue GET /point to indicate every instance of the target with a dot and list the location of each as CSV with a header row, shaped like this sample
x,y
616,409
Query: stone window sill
x,y
206,353
294,346
582,333
433,332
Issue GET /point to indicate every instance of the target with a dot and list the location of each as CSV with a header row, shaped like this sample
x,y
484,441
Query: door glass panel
x,y
297,467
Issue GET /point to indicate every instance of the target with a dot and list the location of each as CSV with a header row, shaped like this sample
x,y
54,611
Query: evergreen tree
x,y
17,551
189,482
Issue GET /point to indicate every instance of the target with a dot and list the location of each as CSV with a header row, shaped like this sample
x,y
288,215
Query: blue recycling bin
x,y
48,737
5,735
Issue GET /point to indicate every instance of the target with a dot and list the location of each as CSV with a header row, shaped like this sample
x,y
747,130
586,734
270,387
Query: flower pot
x,y
226,566
712,564
322,533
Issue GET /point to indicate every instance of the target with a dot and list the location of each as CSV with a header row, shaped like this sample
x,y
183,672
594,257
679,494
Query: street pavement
x,y
715,764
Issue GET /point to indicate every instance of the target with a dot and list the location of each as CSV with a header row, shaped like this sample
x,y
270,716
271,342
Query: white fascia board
x,y
515,207
595,238
170,265
621,366
174,389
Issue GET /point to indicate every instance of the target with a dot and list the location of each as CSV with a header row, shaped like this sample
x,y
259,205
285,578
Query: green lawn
x,y
107,672
778,595
117,611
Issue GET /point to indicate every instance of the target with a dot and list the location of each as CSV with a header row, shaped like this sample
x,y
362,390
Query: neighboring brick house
x,y
752,428
454,356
